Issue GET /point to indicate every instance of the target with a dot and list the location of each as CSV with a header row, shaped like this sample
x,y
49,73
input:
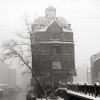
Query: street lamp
x,y
87,74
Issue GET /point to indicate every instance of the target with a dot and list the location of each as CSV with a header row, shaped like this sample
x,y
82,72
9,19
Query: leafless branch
x,y
23,37
11,52
21,50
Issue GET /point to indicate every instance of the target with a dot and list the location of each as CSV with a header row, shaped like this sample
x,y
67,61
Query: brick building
x,y
53,46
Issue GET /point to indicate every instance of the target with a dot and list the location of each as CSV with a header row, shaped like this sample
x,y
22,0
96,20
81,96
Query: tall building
x,y
53,46
95,68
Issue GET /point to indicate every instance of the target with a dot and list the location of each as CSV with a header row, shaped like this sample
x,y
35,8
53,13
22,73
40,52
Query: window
x,y
56,50
56,65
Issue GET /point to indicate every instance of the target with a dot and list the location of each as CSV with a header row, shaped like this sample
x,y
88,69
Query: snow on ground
x,y
97,98
80,94
83,95
51,99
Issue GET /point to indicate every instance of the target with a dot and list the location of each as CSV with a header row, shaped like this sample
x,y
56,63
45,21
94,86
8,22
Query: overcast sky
x,y
84,15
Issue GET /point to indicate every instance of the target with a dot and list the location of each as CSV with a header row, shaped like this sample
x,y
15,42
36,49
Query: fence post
x,y
85,88
77,88
72,87
95,91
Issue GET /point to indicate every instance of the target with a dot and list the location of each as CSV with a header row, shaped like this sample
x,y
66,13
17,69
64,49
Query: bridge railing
x,y
93,90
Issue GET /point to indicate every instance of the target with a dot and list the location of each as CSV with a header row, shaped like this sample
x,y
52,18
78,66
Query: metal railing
x,y
93,90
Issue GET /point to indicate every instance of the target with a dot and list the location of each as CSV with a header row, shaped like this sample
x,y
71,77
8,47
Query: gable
x,y
54,28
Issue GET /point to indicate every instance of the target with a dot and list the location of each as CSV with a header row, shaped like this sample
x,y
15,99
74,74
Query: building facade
x,y
95,68
53,47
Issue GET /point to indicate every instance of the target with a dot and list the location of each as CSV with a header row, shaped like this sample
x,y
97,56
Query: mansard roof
x,y
42,23
95,57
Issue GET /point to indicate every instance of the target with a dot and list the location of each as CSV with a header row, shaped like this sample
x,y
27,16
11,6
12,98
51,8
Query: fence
x,y
93,90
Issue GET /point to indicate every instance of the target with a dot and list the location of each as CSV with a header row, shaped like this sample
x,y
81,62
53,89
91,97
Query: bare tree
x,y
20,50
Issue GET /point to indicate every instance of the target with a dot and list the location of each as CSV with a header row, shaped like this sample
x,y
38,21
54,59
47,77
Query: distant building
x,y
86,78
7,75
12,76
22,78
95,68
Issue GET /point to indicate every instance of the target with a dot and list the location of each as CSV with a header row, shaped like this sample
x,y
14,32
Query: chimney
x,y
50,12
